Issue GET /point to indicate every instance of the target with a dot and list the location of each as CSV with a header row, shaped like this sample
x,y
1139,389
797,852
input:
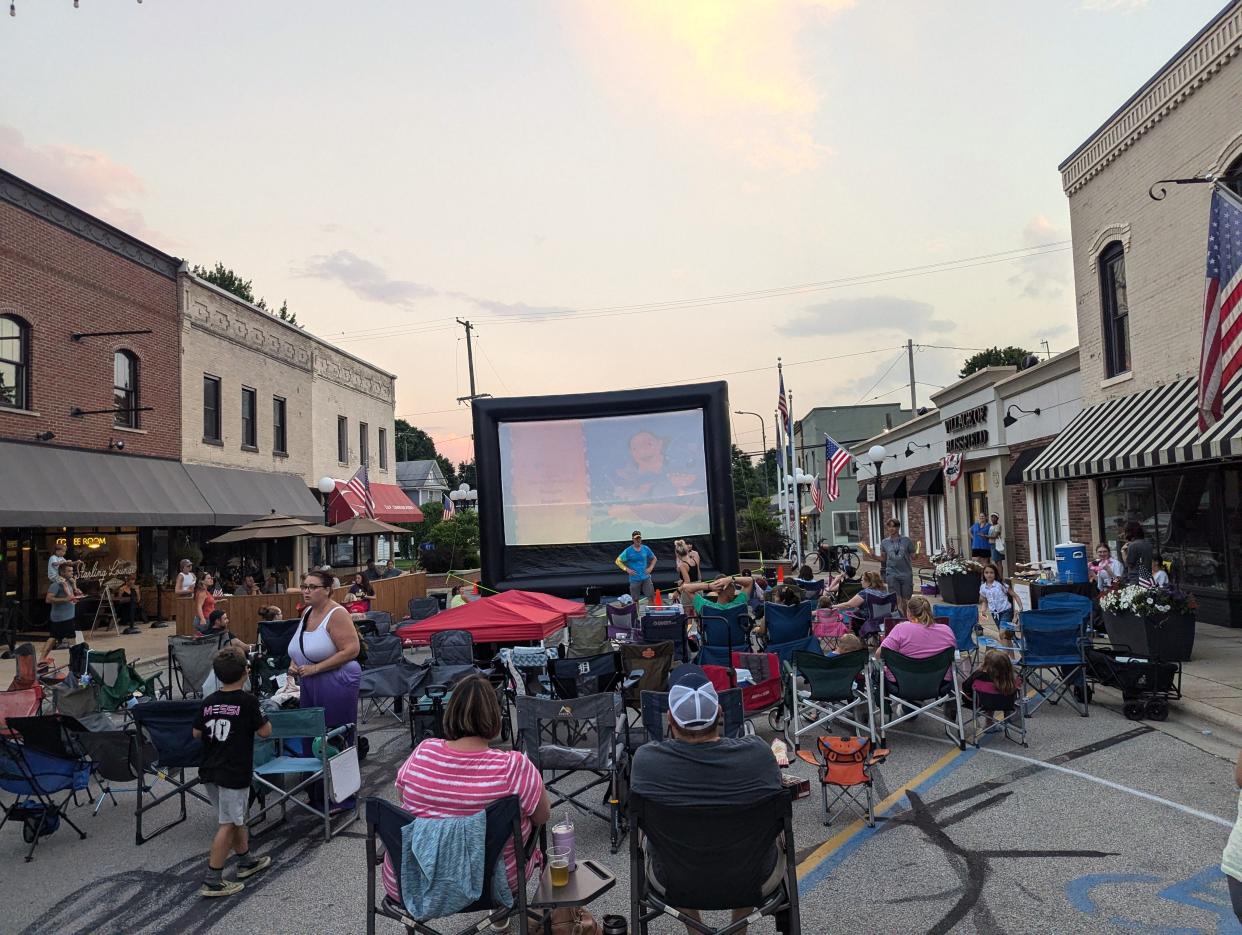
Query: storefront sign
x,y
966,420
117,569
87,542
977,439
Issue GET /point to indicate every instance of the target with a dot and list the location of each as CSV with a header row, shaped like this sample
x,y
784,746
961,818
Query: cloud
x,y
366,279
511,309
1047,275
86,178
1113,6
866,314
732,68
1055,331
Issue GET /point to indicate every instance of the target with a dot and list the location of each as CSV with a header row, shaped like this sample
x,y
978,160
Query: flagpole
x,y
796,516
780,470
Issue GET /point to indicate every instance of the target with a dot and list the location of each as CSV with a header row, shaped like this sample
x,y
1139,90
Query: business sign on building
x,y
967,430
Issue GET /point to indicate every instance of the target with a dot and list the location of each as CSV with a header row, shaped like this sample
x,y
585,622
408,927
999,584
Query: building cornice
x,y
1192,67
972,383
49,208
1046,371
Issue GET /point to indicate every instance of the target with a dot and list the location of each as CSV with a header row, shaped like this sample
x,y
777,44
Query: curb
x,y
1186,711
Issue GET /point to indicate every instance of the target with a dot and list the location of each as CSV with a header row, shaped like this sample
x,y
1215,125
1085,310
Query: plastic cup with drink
x,y
558,866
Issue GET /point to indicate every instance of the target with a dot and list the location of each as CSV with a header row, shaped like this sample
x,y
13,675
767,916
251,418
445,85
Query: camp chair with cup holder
x,y
588,636
118,679
189,662
272,654
849,766
37,780
1053,660
963,620
587,675
283,769
921,687
385,822
567,737
832,695
655,714
722,631
166,748
788,629
452,648
622,621
657,627
707,857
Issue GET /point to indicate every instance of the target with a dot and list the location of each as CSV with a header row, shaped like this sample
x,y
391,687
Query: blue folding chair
x,y
1053,660
1078,603
36,778
963,620
723,630
789,630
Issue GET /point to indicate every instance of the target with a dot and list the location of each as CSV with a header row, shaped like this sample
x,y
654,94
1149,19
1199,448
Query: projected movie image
x,y
597,480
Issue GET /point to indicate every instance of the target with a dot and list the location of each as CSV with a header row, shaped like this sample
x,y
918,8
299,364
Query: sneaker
x,y
249,870
224,888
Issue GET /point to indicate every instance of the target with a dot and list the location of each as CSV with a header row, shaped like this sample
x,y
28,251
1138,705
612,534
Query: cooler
x,y
1071,563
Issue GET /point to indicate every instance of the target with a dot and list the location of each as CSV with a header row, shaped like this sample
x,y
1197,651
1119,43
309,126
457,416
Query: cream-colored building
x,y
263,395
1139,270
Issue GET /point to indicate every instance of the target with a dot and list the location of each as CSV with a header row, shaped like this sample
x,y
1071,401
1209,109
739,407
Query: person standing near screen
x,y
638,561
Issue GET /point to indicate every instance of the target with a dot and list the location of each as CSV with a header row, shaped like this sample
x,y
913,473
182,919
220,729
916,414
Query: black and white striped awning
x,y
1156,428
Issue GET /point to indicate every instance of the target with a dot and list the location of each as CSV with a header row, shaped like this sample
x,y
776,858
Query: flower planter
x,y
1169,638
961,588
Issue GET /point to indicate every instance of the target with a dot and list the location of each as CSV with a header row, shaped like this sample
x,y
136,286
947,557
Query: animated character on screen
x,y
663,484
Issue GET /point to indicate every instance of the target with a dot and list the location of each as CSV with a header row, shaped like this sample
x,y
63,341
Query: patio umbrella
x,y
365,526
274,526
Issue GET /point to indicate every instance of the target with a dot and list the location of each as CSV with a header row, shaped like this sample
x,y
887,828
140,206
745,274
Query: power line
x,y
882,376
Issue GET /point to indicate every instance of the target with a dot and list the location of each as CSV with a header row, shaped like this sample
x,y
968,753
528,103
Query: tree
x,y
456,542
413,444
229,281
994,357
744,482
757,529
466,474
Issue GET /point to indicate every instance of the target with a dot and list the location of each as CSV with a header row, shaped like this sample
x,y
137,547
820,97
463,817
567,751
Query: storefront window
x,y
845,527
1051,516
103,553
1231,500
342,551
1190,527
977,491
933,523
1123,499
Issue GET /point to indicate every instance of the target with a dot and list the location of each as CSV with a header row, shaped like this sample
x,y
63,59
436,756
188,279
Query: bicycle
x,y
836,558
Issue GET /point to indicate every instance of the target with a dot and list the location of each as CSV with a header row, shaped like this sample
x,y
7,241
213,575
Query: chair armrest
x,y
337,731
806,756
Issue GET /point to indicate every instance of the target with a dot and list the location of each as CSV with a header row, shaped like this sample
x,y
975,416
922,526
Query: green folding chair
x,y
831,697
118,680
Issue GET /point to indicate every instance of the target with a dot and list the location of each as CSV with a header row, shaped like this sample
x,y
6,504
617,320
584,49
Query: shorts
x,y
981,553
901,585
62,629
230,804
997,557
644,588
1004,620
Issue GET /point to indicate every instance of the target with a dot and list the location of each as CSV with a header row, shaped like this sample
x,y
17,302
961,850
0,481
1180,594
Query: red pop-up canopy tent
x,y
513,616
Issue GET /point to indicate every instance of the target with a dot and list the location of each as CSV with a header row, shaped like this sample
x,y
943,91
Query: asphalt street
x,y
1100,825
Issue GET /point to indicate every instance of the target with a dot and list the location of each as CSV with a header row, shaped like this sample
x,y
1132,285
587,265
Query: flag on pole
x,y
835,460
1222,307
782,405
817,497
361,486
951,464
449,506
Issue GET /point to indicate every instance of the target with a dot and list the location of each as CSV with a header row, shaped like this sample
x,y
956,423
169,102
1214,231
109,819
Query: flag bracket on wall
x,y
1159,190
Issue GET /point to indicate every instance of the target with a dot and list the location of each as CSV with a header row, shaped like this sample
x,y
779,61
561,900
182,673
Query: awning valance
x,y
1156,428
895,488
391,504
928,484
862,492
236,496
1021,463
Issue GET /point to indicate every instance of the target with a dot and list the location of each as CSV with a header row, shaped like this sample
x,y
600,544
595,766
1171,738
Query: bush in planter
x,y
958,579
1152,622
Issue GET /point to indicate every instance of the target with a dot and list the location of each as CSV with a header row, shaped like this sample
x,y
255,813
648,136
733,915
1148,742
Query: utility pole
x,y
914,402
470,364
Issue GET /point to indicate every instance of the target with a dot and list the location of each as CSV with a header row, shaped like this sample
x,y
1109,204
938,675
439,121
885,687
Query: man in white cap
x,y
697,766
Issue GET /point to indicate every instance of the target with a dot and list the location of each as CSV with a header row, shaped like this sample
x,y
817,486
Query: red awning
x,y
391,504
513,616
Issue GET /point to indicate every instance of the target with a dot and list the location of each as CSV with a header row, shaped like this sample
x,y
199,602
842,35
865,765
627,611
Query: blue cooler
x,y
1071,563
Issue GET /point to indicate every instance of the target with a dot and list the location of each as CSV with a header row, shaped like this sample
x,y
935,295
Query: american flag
x,y
782,405
1222,306
817,497
360,485
449,506
835,460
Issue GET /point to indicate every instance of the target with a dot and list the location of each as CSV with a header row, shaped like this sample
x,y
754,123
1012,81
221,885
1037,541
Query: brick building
x,y
1139,278
999,420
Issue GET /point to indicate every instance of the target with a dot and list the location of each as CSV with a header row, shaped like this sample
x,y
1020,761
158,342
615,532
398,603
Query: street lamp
x,y
876,455
326,487
464,495
795,482
763,431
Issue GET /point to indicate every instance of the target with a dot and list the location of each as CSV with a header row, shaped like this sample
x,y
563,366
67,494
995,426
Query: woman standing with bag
x,y
324,650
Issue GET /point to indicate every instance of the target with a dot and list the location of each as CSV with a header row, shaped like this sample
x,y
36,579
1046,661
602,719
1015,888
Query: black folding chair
x,y
167,726
420,608
706,857
504,826
655,714
452,648
656,628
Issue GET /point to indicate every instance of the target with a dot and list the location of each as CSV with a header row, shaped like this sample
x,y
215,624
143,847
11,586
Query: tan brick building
x,y
1139,280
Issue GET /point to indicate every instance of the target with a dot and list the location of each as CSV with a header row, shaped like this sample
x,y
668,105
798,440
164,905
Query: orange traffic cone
x,y
476,587
780,574
657,601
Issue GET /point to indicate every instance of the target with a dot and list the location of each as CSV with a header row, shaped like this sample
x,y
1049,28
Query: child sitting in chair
x,y
996,683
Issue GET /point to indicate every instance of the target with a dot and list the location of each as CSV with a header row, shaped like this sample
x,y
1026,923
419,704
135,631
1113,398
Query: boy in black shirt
x,y
227,725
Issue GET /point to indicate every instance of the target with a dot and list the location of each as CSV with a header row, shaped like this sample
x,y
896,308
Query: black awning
x,y
895,488
238,496
862,492
1021,463
44,485
928,484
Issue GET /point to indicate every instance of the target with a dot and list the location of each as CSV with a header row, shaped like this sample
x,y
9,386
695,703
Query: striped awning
x,y
1156,428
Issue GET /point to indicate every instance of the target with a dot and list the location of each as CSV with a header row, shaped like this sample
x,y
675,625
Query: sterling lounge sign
x,y
967,430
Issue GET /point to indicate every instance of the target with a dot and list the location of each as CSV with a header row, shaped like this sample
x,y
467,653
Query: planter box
x,y
960,589
1169,639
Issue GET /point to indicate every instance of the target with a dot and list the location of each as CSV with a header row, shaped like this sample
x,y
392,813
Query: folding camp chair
x,y
385,822
577,678
656,628
281,769
273,659
118,680
53,734
713,857
114,759
565,737
622,621
526,669
376,621
723,630
921,686
382,689
421,608
37,779
850,767
167,747
963,620
992,713
588,636
1053,660
869,620
789,630
647,667
25,702
452,648
832,695
189,662
655,714
1064,600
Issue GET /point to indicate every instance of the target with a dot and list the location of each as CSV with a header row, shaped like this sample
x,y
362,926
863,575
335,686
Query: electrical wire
x,y
882,376
487,357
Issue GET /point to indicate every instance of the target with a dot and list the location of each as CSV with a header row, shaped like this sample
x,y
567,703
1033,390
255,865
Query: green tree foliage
x,y
745,483
413,444
758,530
466,474
447,469
220,275
994,357
456,541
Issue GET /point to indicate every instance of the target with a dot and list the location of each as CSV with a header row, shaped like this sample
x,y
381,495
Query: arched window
x,y
125,389
1235,184
1116,310
14,362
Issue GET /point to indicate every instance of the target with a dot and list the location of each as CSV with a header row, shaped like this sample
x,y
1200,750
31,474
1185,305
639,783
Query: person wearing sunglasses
x,y
324,652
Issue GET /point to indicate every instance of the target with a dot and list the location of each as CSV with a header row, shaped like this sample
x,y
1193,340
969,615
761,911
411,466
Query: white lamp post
x,y
876,455
464,495
327,486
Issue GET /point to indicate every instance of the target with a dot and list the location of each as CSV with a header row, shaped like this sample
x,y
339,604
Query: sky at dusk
x,y
617,194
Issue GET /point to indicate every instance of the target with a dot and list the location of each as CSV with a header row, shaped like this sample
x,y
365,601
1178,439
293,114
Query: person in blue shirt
x,y
638,561
980,545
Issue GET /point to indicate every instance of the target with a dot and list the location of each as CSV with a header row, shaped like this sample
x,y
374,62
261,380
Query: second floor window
x,y
342,439
280,434
364,444
383,447
250,432
1116,310
125,389
14,363
211,408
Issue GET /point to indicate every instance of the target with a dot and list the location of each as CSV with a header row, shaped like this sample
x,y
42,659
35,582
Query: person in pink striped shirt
x,y
462,774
